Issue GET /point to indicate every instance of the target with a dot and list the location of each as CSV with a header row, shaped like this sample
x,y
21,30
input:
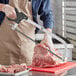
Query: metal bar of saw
x,y
25,35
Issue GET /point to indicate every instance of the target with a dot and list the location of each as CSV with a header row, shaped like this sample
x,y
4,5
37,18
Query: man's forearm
x,y
1,7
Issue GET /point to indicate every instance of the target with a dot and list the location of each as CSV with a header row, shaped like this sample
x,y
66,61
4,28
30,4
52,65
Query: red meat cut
x,y
13,68
43,58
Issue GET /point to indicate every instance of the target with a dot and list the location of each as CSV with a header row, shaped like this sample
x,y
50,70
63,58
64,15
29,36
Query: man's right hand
x,y
9,11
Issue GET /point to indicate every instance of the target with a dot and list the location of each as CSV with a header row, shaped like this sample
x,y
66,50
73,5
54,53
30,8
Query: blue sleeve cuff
x,y
48,21
48,25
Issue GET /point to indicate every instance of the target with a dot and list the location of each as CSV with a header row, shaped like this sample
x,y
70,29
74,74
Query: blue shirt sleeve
x,y
45,12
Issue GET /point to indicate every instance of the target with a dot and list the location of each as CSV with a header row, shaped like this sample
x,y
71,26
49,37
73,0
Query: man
x,y
15,48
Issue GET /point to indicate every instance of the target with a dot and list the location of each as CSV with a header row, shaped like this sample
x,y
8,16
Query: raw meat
x,y
13,68
43,58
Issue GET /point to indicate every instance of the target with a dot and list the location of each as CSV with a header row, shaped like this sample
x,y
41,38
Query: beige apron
x,y
15,48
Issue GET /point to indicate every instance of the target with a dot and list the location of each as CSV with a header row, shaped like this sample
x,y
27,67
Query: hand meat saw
x,y
21,16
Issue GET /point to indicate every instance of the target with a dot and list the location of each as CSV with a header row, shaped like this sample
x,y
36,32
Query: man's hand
x,y
48,29
9,11
47,40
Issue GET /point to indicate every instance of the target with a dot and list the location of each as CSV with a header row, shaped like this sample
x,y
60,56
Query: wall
x,y
70,22
57,10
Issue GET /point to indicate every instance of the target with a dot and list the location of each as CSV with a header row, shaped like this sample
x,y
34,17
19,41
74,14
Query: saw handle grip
x,y
19,18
